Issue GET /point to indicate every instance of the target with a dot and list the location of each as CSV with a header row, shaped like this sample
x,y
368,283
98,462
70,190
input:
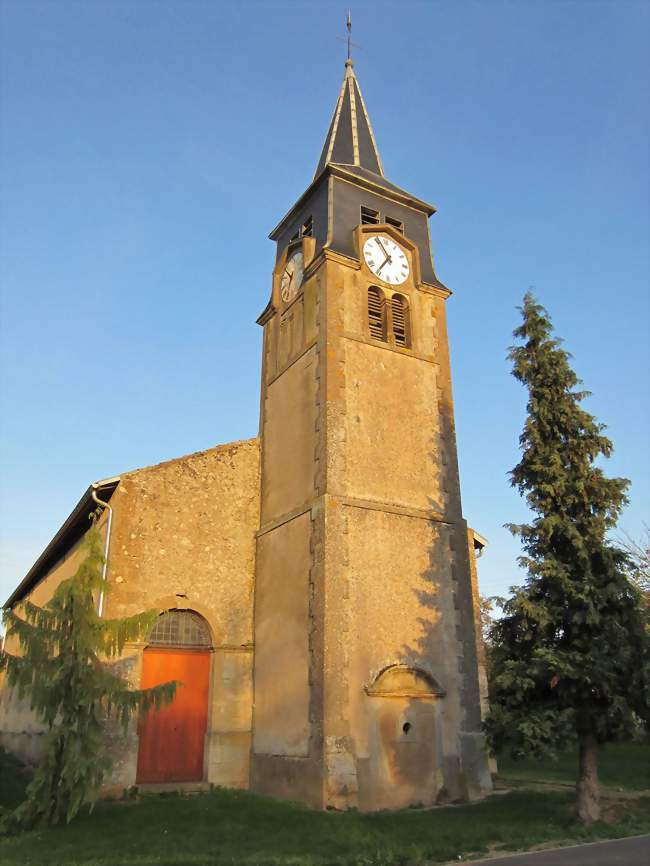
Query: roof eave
x,y
479,541
69,533
338,170
273,235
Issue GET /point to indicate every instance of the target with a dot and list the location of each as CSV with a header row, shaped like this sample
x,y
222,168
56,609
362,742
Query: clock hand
x,y
382,248
382,265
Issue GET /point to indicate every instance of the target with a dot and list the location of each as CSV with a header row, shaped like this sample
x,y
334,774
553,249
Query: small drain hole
x,y
406,727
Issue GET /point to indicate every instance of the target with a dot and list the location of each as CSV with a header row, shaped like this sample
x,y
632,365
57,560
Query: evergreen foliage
x,y
569,658
638,568
63,668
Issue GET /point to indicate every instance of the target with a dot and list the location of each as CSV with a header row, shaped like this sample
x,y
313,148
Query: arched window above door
x,y
180,628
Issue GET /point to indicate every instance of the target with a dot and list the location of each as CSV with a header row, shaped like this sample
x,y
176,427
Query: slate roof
x,y
380,180
350,139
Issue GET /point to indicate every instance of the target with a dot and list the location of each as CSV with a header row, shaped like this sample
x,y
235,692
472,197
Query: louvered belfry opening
x,y
400,316
376,314
369,216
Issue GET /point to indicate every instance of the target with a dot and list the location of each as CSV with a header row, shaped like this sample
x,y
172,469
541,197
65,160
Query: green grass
x,y
236,828
623,766
242,829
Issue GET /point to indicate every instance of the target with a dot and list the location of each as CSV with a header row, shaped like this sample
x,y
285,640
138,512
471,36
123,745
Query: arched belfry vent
x,y
180,628
376,313
401,323
350,139
406,682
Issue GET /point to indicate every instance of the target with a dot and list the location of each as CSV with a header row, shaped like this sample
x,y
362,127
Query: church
x,y
317,584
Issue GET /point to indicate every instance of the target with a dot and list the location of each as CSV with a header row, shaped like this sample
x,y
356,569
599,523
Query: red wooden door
x,y
172,738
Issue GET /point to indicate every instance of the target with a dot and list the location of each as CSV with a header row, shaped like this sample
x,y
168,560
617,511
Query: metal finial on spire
x,y
350,140
348,39
348,24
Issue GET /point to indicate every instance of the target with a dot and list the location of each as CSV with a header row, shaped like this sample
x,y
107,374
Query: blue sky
x,y
149,147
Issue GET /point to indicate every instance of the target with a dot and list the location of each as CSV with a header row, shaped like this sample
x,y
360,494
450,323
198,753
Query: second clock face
x,y
291,277
386,259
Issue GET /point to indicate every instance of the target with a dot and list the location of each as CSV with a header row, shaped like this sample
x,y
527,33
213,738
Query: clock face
x,y
291,278
386,259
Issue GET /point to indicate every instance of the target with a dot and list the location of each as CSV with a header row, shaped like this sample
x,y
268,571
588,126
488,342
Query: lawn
x,y
621,766
236,828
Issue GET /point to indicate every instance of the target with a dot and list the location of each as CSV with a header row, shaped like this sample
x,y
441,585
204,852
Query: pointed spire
x,y
350,139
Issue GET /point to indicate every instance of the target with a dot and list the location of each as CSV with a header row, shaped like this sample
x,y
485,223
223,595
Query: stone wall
x,y
397,582
183,537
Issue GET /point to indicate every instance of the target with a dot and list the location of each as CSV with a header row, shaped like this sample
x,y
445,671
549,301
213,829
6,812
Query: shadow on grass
x,y
242,829
624,766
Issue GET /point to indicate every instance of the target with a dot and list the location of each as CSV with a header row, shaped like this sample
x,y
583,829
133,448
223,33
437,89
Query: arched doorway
x,y
172,738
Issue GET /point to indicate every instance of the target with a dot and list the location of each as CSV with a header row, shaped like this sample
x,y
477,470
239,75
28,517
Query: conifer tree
x,y
64,646
638,568
570,655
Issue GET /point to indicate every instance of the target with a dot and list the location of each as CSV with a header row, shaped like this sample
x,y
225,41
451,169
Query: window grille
x,y
397,224
307,228
376,314
369,217
180,628
400,315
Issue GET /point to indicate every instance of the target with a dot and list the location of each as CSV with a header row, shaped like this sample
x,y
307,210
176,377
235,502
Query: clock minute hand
x,y
382,248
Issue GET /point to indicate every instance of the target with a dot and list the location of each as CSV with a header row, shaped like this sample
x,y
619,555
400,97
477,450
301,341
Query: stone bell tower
x,y
366,689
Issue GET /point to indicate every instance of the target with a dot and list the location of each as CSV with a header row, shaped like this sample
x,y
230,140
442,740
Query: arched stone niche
x,y
404,739
403,681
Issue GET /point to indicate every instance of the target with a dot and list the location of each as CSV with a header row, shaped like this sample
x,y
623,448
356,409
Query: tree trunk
x,y
587,788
